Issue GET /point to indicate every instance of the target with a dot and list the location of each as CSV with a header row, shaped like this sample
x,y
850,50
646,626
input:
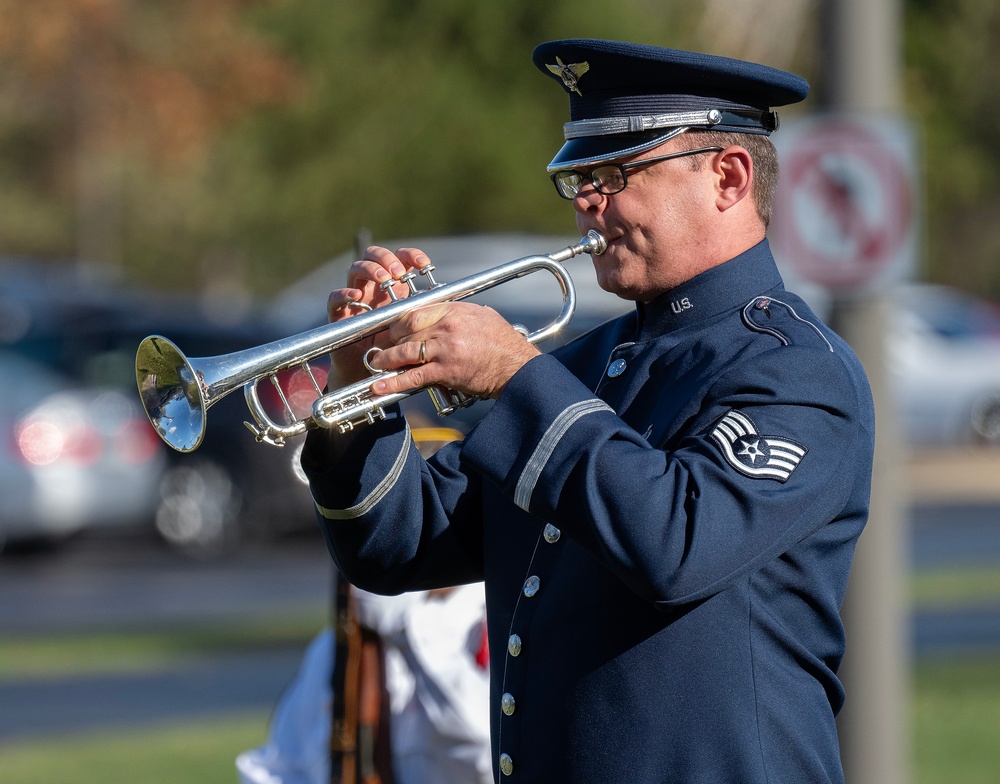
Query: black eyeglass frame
x,y
556,176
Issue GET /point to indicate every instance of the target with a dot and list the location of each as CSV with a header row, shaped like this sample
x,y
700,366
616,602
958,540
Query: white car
x,y
943,350
73,458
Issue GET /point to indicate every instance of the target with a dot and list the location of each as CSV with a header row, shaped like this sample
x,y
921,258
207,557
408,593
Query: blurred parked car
x,y
231,486
943,350
72,458
230,489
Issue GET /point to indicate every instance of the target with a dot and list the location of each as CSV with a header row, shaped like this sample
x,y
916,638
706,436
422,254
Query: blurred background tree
x,y
951,52
187,139
104,102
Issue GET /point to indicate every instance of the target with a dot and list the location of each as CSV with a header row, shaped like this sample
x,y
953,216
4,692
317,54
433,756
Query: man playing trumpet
x,y
665,510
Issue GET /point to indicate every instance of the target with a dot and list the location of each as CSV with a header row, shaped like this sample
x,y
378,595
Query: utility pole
x,y
861,66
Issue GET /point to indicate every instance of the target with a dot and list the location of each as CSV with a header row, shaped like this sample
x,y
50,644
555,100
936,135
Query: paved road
x,y
107,584
199,688
99,584
955,534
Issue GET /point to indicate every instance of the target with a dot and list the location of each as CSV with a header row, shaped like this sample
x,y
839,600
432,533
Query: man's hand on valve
x,y
458,345
364,292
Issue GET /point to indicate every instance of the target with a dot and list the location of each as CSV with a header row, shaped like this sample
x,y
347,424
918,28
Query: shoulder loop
x,y
779,319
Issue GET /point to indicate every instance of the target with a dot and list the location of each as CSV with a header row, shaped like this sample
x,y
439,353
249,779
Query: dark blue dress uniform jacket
x,y
664,512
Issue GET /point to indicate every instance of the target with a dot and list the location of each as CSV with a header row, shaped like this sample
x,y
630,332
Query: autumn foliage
x,y
161,77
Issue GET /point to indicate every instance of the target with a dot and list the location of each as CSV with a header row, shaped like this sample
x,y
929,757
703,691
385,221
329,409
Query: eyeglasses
x,y
609,178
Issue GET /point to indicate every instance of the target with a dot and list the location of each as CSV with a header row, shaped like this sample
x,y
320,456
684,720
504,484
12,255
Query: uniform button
x,y
514,645
551,534
507,703
506,764
531,586
617,368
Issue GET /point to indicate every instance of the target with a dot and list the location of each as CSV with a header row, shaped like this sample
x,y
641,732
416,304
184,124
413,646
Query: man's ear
x,y
734,176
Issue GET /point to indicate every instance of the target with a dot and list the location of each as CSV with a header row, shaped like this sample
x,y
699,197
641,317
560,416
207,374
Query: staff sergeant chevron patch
x,y
756,455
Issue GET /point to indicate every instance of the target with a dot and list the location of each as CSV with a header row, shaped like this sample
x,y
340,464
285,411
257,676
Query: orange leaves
x,y
160,78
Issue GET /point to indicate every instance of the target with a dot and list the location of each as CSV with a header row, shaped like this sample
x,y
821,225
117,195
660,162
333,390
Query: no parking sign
x,y
846,210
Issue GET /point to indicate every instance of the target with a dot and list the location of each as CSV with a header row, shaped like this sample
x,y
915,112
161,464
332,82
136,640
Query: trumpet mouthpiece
x,y
598,243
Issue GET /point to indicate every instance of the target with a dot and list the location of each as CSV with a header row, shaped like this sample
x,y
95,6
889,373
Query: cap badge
x,y
570,74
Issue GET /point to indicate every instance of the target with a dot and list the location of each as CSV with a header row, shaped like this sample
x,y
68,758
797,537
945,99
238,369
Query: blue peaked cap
x,y
626,98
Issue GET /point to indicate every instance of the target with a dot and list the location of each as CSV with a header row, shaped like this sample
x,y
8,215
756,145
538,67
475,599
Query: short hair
x,y
765,164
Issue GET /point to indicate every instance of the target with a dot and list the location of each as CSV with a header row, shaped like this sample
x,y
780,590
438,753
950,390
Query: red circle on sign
x,y
844,206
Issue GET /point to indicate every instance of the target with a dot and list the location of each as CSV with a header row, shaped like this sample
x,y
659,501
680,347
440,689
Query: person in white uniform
x,y
437,675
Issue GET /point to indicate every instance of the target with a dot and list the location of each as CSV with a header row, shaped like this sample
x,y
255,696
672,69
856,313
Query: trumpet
x,y
177,391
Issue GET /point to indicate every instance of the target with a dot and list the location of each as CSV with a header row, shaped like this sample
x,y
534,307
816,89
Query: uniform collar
x,y
711,293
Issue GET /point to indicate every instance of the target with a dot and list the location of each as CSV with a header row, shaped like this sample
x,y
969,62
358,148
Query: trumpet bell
x,y
171,392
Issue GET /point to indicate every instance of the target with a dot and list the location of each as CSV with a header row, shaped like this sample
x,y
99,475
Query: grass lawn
x,y
201,752
95,653
956,721
197,752
955,740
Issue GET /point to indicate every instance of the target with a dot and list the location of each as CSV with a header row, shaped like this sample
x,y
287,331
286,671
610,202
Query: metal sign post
x,y
847,223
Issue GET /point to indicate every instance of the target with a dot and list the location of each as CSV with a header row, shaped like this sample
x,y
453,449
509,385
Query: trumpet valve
x,y
386,286
408,280
427,273
448,401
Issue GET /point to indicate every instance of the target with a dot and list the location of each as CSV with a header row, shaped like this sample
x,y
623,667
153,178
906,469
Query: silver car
x,y
73,458
943,350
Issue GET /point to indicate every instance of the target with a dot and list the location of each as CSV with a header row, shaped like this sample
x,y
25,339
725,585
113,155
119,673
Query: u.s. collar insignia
x,y
570,74
756,455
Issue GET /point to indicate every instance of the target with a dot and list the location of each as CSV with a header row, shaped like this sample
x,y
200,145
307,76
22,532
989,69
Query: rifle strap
x,y
344,688
360,751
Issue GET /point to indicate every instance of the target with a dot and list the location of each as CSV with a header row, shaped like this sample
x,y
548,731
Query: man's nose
x,y
589,199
